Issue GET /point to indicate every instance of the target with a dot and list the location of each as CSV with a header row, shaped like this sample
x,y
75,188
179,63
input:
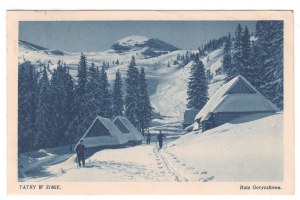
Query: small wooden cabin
x,y
102,134
234,99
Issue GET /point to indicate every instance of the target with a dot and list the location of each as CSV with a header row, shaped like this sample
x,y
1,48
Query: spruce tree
x,y
68,102
227,60
237,51
197,86
246,68
22,108
93,99
82,76
74,131
271,46
27,105
62,96
145,108
107,98
44,136
118,102
132,94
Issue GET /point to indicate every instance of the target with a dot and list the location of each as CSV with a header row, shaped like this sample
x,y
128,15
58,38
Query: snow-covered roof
x,y
133,134
224,100
115,137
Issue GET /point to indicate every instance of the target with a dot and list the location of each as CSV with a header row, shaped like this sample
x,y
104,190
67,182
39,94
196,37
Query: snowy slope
x,y
167,86
249,148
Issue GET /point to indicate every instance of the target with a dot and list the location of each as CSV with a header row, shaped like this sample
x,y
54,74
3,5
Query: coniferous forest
x,y
54,109
259,58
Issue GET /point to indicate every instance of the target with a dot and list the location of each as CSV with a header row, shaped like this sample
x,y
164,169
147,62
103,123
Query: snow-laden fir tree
x,y
246,69
118,102
68,101
132,94
237,51
82,76
93,99
107,111
57,94
74,130
62,96
44,134
227,60
27,105
197,86
145,108
22,108
270,44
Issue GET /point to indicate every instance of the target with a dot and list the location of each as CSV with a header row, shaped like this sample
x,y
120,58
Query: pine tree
x,y
246,69
107,98
93,99
197,86
27,105
82,76
237,51
227,64
271,47
118,103
132,94
62,96
22,108
68,102
74,131
44,135
145,108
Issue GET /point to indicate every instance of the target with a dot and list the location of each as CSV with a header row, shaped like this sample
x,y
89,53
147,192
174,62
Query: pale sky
x,y
88,36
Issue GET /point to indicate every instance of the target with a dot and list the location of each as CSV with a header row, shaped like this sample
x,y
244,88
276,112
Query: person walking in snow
x,y
160,138
80,149
148,137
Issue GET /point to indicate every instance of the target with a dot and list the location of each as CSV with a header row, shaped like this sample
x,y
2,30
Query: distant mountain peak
x,y
31,46
139,42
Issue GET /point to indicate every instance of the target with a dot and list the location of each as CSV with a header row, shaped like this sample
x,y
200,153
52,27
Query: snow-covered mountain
x,y
167,80
27,46
149,45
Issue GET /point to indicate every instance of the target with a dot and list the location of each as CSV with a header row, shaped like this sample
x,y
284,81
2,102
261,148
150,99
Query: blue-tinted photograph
x,y
150,101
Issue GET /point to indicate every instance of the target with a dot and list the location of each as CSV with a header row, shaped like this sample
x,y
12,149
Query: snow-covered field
x,y
248,148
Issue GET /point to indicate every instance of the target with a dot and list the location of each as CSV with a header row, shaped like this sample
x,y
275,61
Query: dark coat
x,y
80,149
160,137
148,135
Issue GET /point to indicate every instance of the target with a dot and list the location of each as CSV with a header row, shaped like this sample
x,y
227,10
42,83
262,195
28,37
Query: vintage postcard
x,y
150,102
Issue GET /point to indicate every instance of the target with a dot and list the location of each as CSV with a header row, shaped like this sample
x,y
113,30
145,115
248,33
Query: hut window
x,y
98,129
121,126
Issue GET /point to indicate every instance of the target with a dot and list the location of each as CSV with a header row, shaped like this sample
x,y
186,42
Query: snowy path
x,y
147,164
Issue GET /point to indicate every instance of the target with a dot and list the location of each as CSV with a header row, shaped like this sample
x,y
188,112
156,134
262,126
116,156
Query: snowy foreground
x,y
246,149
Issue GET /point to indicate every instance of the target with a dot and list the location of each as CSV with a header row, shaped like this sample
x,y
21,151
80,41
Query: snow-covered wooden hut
x,y
102,134
189,118
129,131
234,99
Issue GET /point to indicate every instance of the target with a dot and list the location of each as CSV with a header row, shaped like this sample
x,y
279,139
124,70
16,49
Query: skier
x,y
160,137
80,149
148,137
